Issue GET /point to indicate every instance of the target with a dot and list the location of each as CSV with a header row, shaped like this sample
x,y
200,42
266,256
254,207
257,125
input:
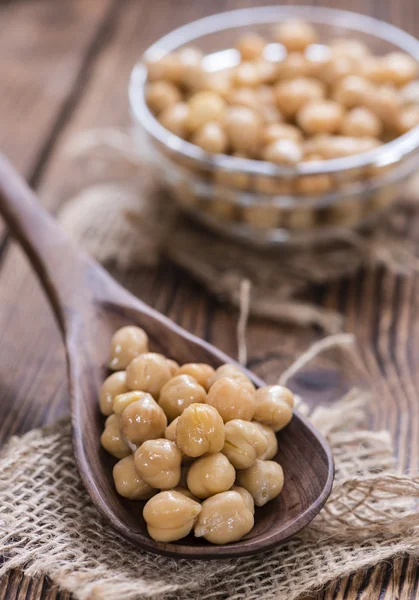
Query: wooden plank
x,y
380,309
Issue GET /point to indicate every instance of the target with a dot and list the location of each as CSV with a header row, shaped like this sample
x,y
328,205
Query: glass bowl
x,y
258,201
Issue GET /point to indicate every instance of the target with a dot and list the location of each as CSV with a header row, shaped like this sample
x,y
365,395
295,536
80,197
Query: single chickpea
x,y
160,95
295,35
274,404
201,372
173,366
264,480
336,68
127,343
232,372
113,385
168,67
143,420
323,116
281,131
224,518
170,516
295,65
211,138
270,114
200,430
313,185
361,121
191,73
267,70
175,118
232,399
272,447
180,489
234,179
245,96
158,463
244,443
293,94
351,48
336,146
204,106
170,431
395,68
219,82
263,215
408,118
210,475
148,373
282,152
121,401
242,126
112,440
410,93
246,74
250,45
178,393
386,103
352,91
247,497
128,483
265,94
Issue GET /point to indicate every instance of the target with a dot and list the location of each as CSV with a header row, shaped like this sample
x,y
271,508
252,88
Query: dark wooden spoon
x,y
90,306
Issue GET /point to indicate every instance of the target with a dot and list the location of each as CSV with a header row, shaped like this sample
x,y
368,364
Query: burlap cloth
x,y
49,526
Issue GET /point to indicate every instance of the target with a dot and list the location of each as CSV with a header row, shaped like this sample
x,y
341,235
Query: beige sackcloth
x,y
48,524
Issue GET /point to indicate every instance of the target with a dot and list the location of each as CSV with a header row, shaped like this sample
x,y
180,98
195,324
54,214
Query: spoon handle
x,y
60,266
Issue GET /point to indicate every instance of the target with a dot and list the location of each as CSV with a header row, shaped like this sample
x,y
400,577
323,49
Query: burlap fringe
x,y
132,224
48,525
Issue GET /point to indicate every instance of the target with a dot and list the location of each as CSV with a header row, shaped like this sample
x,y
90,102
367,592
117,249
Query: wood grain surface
x,y
64,68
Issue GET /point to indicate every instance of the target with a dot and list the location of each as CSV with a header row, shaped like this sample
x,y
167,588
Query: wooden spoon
x,y
89,306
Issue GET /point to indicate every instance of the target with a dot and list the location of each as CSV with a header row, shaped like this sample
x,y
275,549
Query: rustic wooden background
x,y
64,67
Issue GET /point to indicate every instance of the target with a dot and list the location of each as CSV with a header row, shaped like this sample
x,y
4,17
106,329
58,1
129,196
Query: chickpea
x,y
250,45
295,65
173,366
232,399
168,67
267,71
192,74
112,440
210,475
238,179
127,343
274,404
204,106
246,74
244,443
336,68
353,90
408,118
211,138
143,420
271,439
113,385
293,94
128,483
323,116
170,431
219,82
242,126
245,96
148,373
158,463
270,114
273,186
410,93
232,372
282,152
201,372
263,215
396,68
160,95
265,95
360,122
295,35
281,131
224,518
336,146
312,185
179,393
170,516
247,497
121,401
175,119
264,480
200,430
354,49
386,103
185,492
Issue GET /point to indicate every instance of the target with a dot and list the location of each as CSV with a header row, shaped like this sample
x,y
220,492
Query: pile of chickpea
x,y
195,442
308,106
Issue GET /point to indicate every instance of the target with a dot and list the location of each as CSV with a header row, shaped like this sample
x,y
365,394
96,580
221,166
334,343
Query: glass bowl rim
x,y
388,154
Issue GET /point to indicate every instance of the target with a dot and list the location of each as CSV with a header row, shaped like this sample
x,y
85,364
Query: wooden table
x,y
64,68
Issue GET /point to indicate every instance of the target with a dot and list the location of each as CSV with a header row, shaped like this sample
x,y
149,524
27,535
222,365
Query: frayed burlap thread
x,y
48,525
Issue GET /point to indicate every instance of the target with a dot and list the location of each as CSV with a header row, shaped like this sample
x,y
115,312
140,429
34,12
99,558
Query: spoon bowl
x,y
90,306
